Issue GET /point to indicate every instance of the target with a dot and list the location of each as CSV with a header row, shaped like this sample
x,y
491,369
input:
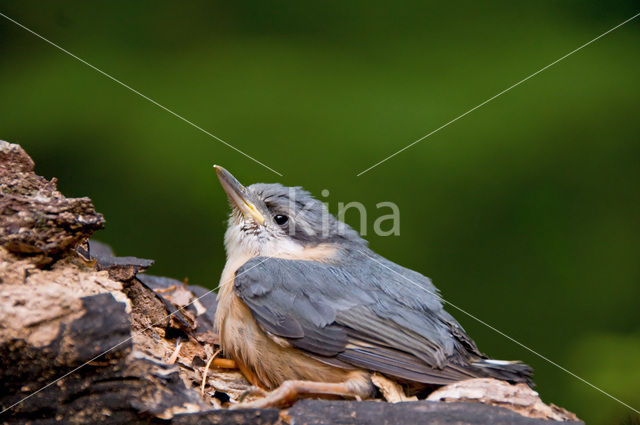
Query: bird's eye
x,y
281,220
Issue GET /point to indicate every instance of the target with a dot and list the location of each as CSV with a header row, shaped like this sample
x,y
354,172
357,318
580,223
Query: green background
x,y
525,213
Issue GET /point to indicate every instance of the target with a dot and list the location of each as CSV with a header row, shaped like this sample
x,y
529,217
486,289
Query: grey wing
x,y
365,317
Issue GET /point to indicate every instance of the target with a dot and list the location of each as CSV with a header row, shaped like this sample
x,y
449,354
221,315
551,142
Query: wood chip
x,y
175,354
391,390
200,309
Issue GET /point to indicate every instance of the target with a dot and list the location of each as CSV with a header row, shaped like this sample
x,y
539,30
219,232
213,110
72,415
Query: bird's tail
x,y
512,371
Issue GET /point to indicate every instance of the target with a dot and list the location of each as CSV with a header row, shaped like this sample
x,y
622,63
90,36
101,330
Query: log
x,y
89,337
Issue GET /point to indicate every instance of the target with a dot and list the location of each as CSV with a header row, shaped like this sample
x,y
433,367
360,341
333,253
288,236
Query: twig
x,y
206,370
168,289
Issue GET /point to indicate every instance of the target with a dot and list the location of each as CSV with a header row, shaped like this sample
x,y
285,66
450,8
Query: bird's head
x,y
275,220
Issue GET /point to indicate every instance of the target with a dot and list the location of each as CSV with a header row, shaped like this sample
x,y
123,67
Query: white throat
x,y
241,248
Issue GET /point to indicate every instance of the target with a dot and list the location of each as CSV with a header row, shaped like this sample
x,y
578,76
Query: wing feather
x,y
364,317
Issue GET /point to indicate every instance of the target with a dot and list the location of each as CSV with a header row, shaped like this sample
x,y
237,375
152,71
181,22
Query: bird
x,y
306,308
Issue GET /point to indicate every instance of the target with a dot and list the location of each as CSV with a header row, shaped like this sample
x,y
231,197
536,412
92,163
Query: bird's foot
x,y
252,393
290,391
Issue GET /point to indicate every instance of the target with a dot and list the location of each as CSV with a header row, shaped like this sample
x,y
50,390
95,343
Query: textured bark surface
x,y
87,337
316,412
519,398
34,217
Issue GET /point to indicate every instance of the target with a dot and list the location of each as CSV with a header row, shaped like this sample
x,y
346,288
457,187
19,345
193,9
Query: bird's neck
x,y
237,255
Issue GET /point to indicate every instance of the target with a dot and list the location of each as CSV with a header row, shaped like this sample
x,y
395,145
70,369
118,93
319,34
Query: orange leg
x,y
290,391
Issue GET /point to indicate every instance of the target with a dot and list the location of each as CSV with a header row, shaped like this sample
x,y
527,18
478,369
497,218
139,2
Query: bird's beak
x,y
236,193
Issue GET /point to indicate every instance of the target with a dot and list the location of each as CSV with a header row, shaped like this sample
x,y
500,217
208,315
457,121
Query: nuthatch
x,y
306,307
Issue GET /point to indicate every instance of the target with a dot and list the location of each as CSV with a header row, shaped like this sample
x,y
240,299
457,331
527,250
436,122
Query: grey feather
x,y
311,222
361,313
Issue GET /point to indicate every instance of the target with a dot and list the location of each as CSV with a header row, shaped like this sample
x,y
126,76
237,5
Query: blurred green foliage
x,y
526,212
